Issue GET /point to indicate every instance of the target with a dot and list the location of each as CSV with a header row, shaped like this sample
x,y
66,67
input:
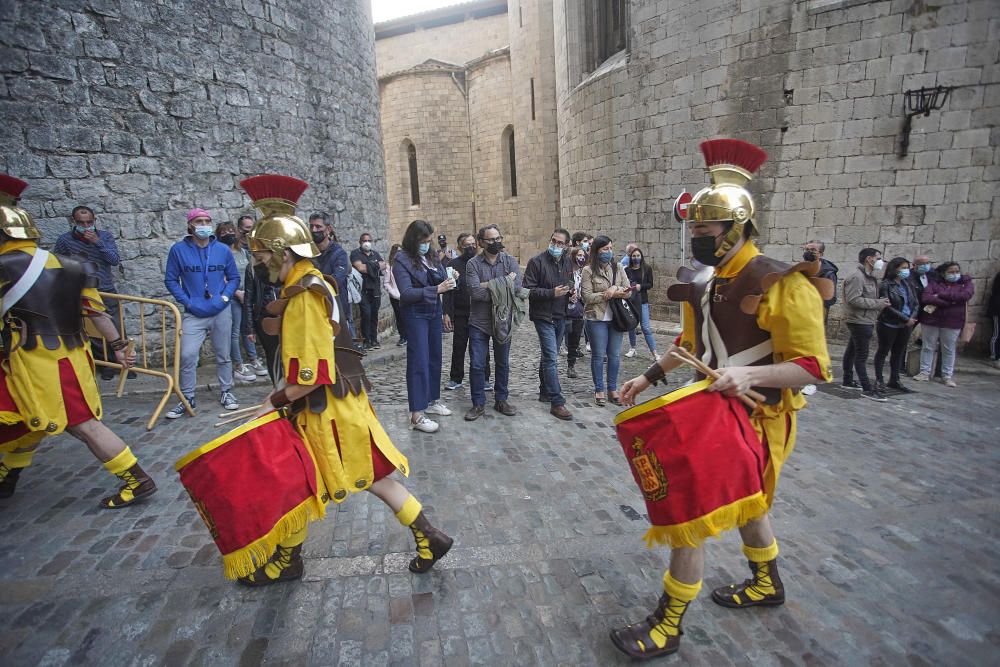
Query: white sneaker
x,y
630,353
588,347
949,381
245,374
259,367
437,408
656,355
228,401
921,377
424,424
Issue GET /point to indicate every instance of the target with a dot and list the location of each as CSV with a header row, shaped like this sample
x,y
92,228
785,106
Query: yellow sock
x,y
680,590
681,595
409,512
273,569
18,459
119,464
761,554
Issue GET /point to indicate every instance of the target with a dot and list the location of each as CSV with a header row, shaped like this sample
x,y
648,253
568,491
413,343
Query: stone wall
x,y
457,43
143,110
819,84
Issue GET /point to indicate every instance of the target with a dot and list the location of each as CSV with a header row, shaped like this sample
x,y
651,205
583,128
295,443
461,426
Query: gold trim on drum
x,y
226,437
660,401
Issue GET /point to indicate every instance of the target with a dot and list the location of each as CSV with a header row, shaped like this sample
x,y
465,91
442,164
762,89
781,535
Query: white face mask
x,y
366,246
878,265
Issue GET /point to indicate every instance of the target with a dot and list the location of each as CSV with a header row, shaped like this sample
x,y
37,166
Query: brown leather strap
x,y
279,399
654,373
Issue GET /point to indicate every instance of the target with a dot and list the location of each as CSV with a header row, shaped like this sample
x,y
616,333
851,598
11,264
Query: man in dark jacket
x,y
332,261
456,314
548,279
812,251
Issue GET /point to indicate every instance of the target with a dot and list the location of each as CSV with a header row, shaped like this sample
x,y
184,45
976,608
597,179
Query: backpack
x,y
354,284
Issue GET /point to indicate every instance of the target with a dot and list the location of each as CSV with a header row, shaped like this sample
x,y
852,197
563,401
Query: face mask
x,y
952,277
878,265
367,245
318,237
203,231
703,250
635,261
494,247
555,251
904,273
81,230
228,239
424,248
443,244
468,252
585,245
606,256
923,268
809,256
581,259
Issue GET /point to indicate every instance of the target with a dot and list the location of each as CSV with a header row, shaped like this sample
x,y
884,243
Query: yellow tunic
x,y
340,437
792,312
32,374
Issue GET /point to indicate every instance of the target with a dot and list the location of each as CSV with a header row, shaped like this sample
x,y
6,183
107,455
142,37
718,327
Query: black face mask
x,y
468,252
809,256
260,272
495,247
228,239
318,237
703,249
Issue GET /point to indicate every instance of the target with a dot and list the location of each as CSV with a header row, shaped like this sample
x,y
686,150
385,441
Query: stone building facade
x,y
143,110
635,85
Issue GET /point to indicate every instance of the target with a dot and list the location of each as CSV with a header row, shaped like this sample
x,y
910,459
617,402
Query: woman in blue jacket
x,y
421,278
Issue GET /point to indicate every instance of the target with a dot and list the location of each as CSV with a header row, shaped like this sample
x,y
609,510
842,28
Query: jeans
x,y
479,342
574,331
856,354
423,358
549,334
459,344
193,333
370,302
892,342
949,340
647,331
605,345
400,325
234,354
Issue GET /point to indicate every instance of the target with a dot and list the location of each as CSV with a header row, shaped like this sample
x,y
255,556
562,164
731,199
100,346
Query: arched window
x,y
410,173
509,162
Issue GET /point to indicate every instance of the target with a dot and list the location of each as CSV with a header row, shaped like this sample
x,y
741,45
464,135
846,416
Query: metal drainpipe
x,y
468,120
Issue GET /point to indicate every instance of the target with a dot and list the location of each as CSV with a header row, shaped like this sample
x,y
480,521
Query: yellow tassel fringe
x,y
693,533
245,561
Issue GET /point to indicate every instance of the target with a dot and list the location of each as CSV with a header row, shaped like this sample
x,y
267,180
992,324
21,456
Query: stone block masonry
x,y
143,110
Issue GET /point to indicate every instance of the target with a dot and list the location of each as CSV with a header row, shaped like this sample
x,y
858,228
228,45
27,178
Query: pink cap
x,y
198,213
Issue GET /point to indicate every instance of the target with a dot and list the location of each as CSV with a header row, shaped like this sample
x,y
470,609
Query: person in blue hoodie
x,y
202,276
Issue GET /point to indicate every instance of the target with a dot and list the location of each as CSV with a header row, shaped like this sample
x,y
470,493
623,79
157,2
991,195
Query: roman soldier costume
x,y
44,301
740,309
350,448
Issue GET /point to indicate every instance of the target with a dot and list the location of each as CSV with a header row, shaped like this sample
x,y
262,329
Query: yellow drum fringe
x,y
246,560
693,533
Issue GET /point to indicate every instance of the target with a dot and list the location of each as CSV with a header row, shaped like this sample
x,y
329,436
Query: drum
x,y
697,461
254,487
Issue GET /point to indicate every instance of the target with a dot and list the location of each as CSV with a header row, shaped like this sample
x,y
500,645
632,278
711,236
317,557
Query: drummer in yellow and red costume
x,y
44,300
325,383
759,323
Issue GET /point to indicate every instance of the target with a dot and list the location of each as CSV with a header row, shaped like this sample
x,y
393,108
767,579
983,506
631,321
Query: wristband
x,y
654,373
279,399
118,344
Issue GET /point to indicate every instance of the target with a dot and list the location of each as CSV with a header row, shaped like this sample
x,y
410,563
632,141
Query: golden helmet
x,y
14,220
278,228
731,164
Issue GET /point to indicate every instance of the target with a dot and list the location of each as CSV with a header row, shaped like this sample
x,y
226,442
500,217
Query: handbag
x,y
968,329
623,317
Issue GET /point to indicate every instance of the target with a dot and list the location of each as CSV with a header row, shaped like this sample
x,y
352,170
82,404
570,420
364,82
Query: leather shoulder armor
x,y
51,310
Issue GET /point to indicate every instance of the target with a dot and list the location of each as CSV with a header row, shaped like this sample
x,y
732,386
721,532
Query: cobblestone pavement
x,y
886,517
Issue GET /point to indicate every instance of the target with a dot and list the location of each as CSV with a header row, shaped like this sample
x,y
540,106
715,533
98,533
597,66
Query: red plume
x,y
733,151
12,186
273,186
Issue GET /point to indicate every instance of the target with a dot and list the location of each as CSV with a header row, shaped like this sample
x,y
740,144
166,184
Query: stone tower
x,y
144,110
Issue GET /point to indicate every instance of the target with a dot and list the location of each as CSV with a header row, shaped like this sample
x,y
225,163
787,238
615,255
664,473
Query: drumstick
x,y
707,370
232,419
233,413
746,398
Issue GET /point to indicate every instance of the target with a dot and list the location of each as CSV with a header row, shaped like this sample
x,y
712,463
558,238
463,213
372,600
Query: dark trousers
x,y
995,340
270,345
370,302
400,325
459,344
892,342
423,358
856,354
574,331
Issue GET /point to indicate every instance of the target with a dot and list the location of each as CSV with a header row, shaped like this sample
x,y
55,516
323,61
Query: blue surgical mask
x,y
606,256
904,273
555,251
923,268
424,248
81,230
952,277
585,245
203,231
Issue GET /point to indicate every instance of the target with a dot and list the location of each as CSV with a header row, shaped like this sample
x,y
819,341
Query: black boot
x,y
138,485
639,640
765,589
432,544
8,480
285,565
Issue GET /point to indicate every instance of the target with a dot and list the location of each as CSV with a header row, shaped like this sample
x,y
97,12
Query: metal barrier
x,y
169,354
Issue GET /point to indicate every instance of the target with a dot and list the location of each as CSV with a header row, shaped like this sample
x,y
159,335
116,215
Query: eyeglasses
x,y
561,244
495,238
